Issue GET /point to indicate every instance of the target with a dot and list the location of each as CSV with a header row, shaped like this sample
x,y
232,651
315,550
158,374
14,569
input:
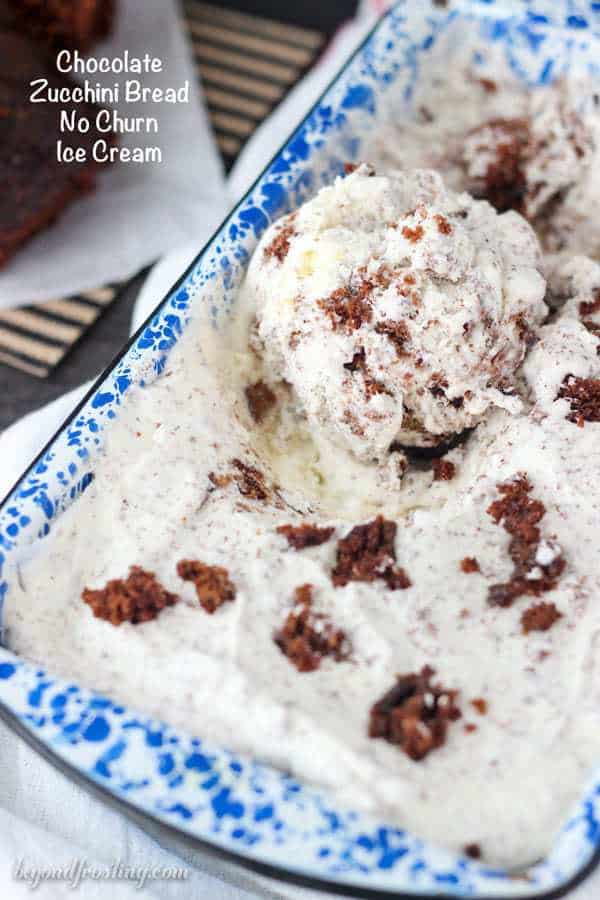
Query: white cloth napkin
x,y
138,211
45,819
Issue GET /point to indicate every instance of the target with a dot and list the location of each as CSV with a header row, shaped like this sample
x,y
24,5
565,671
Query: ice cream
x,y
398,310
536,152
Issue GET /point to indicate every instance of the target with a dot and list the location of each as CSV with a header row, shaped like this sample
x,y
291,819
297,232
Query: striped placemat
x,y
247,64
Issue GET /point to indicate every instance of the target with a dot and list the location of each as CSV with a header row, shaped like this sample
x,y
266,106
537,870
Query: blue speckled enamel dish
x,y
230,802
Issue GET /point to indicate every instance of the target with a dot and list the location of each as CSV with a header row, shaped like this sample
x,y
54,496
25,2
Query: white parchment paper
x,y
138,211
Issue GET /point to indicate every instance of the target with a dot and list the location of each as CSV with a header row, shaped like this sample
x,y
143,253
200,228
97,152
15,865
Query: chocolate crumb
x,y
443,225
414,714
367,553
347,308
137,598
470,727
261,399
250,481
280,245
504,184
413,234
480,705
540,617
469,564
306,638
520,516
473,851
349,168
588,308
583,395
443,470
220,481
212,583
305,535
396,332
489,86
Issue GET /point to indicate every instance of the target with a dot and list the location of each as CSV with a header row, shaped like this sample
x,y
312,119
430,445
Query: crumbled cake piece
x,y
501,143
537,567
590,307
473,851
260,399
540,617
305,535
220,480
397,332
443,225
443,469
583,395
348,308
212,583
469,564
414,714
413,235
280,245
367,553
306,637
137,598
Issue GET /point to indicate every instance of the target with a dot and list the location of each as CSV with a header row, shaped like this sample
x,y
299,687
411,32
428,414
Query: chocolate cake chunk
x,y
414,714
36,188
137,598
72,24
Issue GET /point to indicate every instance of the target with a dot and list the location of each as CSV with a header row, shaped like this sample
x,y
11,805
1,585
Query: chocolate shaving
x,y
367,553
540,617
137,598
583,395
261,399
212,583
520,516
306,637
414,714
480,705
469,564
305,535
473,851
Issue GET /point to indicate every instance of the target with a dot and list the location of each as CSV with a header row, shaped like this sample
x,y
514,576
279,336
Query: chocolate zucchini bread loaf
x,y
36,186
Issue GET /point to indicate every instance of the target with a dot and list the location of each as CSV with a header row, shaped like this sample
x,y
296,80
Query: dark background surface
x,y
21,393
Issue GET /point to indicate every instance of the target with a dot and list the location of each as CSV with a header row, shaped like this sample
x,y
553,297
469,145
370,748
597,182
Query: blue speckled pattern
x,y
232,802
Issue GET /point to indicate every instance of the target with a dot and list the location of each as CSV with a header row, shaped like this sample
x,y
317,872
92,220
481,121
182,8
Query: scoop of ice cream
x,y
397,309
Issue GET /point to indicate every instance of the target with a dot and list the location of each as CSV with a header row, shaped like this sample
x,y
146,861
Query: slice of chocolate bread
x,y
75,24
36,188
